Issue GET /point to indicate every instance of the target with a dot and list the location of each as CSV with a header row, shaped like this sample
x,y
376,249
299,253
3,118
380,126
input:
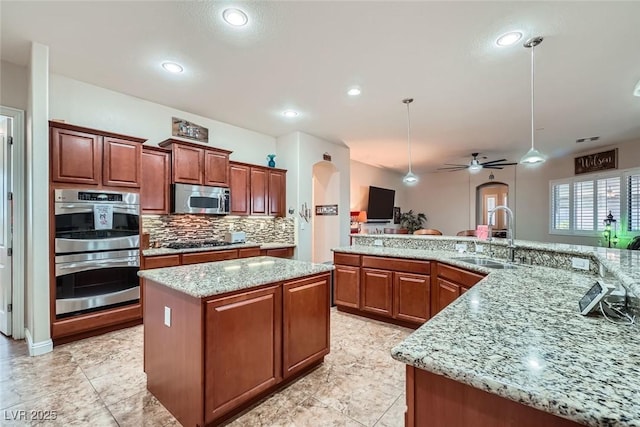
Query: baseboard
x,y
37,348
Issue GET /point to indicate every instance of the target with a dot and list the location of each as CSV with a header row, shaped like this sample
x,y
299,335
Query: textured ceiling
x,y
470,95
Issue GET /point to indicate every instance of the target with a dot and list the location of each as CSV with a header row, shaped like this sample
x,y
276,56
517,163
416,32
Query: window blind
x,y
607,200
633,223
560,205
583,203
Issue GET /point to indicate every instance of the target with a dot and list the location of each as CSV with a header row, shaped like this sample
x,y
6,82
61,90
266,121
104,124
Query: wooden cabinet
x,y
277,192
248,252
279,252
198,165
449,283
156,177
257,190
259,185
199,257
377,292
248,327
411,297
93,157
346,280
305,323
239,178
160,261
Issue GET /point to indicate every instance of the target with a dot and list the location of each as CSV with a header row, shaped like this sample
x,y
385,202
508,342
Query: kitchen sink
x,y
486,262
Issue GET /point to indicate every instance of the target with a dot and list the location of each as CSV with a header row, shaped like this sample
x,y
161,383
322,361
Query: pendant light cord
x,y
533,48
409,134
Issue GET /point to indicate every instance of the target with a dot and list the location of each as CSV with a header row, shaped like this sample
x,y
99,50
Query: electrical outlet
x,y
479,249
261,225
167,316
377,242
461,247
580,263
284,226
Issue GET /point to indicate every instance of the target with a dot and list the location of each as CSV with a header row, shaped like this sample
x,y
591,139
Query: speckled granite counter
x,y
168,251
214,278
518,334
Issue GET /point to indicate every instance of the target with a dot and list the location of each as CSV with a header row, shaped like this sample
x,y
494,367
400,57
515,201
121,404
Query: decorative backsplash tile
x,y
170,228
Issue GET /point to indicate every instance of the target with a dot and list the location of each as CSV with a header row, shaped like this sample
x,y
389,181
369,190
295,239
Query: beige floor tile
x,y
120,384
141,409
10,348
394,417
313,413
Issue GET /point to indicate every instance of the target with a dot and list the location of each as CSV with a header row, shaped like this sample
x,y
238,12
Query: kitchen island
x,y
514,350
219,336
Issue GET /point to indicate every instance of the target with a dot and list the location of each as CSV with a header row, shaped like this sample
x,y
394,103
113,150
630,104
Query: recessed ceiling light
x,y
172,67
235,17
354,91
290,113
509,38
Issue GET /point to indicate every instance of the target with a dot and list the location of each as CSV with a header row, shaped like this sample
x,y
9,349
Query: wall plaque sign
x,y
185,129
326,209
597,162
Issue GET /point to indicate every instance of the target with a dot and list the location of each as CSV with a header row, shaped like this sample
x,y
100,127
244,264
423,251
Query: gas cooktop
x,y
197,244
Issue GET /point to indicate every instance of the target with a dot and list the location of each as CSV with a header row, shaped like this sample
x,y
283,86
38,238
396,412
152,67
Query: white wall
x,y
448,198
37,245
298,153
362,176
13,85
326,228
91,106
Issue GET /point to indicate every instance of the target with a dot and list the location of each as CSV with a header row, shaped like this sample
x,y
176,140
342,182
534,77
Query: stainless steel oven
x,y
97,241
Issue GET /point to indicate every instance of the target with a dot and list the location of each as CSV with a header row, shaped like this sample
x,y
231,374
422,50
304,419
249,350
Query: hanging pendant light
x,y
410,178
533,156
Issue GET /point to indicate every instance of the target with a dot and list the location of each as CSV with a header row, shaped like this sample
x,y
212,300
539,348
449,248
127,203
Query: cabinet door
x,y
243,348
216,168
248,252
280,252
445,293
347,286
239,186
76,157
121,162
160,261
306,323
188,164
154,186
411,297
259,191
199,257
377,295
277,193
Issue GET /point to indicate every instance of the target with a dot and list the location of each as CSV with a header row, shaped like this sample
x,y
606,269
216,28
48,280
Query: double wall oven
x,y
97,246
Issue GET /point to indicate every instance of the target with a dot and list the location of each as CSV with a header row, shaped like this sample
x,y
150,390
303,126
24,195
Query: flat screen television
x,y
381,202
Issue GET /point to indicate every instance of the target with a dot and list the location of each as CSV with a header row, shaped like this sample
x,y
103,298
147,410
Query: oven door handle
x,y
71,209
75,267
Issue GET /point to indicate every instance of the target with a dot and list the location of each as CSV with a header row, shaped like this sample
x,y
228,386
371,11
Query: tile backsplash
x,y
169,228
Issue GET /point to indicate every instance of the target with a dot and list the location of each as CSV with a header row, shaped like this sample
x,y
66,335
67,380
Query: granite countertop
x,y
518,334
215,278
168,251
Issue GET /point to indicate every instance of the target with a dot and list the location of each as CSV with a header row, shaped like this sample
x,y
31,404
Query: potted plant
x,y
411,221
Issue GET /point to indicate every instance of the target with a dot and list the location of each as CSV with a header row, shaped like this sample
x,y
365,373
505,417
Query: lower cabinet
x,y
242,348
445,292
411,298
347,286
377,292
449,283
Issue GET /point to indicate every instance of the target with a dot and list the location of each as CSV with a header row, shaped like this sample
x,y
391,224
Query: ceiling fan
x,y
475,165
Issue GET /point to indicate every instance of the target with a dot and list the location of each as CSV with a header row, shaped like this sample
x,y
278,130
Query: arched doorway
x,y
488,196
326,228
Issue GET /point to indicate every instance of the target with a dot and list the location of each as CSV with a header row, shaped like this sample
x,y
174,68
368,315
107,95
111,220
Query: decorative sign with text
x,y
596,162
326,209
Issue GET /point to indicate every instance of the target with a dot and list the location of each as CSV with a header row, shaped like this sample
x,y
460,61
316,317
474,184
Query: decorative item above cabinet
x,y
196,164
92,157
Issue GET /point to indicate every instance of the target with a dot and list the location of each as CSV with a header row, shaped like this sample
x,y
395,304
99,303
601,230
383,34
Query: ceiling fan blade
x,y
494,161
455,168
501,164
460,166
494,167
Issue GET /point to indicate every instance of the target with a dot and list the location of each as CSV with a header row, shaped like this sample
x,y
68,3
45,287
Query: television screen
x,y
381,202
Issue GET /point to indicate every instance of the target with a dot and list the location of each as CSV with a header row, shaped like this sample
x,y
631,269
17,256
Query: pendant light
x,y
410,178
533,156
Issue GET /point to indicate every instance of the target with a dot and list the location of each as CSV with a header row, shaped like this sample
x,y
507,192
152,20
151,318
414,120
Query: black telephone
x,y
634,244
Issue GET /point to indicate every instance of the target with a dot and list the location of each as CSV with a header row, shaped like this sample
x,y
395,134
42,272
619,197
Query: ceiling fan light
x,y
410,178
532,157
475,167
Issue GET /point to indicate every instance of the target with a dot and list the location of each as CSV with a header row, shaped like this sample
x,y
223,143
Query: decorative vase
x,y
272,163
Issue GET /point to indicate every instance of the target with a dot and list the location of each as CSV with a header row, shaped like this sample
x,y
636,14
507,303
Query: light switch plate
x,y
479,249
580,263
461,247
377,242
167,316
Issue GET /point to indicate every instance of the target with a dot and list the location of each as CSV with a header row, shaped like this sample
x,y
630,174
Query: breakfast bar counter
x,y
219,336
513,342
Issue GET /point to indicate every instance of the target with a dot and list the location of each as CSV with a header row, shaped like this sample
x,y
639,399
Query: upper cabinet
x,y
156,177
257,190
93,157
198,165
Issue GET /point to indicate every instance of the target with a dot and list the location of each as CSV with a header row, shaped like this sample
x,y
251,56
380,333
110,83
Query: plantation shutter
x,y
634,203
560,206
608,200
583,202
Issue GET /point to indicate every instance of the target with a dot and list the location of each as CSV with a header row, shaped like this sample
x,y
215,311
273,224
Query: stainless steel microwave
x,y
200,199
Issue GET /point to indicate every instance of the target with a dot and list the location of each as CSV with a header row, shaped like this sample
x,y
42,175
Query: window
x,y
580,205
633,201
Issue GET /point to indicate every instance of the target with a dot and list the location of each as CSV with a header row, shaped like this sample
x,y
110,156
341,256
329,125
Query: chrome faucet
x,y
510,232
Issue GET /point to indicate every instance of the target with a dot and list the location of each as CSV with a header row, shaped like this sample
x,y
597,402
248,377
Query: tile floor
x,y
100,382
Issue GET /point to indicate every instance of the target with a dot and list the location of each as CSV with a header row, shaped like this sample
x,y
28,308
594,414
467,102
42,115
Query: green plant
x,y
411,221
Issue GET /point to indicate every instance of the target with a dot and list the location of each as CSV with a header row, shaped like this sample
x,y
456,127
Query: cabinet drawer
x,y
396,264
161,261
199,257
280,252
458,275
248,252
346,259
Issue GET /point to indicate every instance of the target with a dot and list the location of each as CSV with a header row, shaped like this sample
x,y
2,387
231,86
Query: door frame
x,y
19,235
